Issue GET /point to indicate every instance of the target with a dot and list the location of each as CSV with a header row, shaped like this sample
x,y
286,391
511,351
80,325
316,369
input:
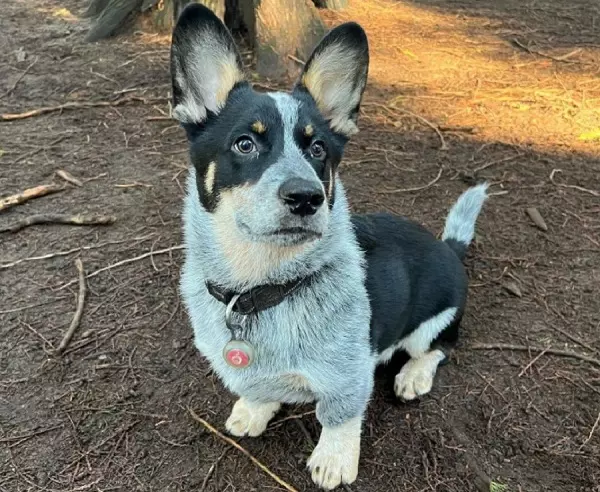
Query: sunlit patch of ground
x,y
469,71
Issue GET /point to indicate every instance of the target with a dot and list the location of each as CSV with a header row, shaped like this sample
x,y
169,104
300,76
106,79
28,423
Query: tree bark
x,y
286,31
282,33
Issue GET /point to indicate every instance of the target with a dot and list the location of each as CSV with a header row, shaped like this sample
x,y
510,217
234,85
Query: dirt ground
x,y
460,90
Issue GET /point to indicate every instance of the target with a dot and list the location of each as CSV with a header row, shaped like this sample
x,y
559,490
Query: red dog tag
x,y
238,354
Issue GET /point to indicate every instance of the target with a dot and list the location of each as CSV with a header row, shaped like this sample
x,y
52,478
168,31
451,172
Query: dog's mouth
x,y
293,235
284,236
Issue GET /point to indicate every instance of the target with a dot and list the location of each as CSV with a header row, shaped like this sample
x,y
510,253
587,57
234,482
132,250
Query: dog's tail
x,y
460,223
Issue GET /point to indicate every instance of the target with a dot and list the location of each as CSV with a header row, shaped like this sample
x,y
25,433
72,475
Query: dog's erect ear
x,y
336,74
205,64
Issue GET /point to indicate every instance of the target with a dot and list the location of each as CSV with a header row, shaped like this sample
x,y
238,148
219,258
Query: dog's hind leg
x,y
417,375
250,418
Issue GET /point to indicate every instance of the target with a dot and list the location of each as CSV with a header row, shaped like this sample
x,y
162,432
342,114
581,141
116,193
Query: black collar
x,y
258,298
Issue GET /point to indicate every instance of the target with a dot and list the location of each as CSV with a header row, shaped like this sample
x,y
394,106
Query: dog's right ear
x,y
205,64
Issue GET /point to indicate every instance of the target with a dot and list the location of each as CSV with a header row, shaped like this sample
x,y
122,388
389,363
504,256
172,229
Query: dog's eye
x,y
317,149
244,145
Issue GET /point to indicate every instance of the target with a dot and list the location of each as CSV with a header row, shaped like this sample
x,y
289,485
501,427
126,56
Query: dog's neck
x,y
224,256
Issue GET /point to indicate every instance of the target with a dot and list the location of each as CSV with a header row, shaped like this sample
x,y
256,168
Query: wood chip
x,y
512,288
537,219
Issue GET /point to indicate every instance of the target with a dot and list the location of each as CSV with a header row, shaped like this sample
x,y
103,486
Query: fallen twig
x,y
525,348
562,58
19,439
589,437
78,311
68,177
29,194
533,361
423,120
25,72
246,453
39,149
74,105
70,251
434,127
277,423
211,470
417,188
78,220
574,187
126,262
493,163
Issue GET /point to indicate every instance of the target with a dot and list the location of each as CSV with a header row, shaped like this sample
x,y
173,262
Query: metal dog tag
x,y
238,354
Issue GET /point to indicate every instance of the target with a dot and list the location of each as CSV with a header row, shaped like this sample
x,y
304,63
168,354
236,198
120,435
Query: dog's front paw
x,y
250,418
335,459
330,469
416,376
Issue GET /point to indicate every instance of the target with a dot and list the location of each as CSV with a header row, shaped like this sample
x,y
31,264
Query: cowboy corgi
x,y
291,298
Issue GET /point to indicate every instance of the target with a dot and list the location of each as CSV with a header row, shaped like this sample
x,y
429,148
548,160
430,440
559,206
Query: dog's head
x,y
266,163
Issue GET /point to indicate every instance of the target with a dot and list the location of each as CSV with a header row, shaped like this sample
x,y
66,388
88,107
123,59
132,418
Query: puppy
x,y
291,298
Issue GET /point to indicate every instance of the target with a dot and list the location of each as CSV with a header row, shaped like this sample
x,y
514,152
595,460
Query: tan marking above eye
x,y
259,127
309,131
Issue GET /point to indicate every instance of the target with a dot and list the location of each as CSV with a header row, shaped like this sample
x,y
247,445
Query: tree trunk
x,y
109,16
286,31
281,32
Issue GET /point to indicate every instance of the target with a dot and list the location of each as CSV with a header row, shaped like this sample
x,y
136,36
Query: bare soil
x,y
462,90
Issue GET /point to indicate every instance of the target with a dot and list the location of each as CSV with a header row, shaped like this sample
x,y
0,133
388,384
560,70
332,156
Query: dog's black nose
x,y
303,197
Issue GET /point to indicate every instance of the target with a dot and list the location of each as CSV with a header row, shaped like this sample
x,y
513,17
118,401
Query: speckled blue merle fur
x,y
265,205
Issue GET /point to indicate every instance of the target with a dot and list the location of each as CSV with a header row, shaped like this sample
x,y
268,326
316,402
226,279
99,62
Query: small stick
x,y
277,423
574,187
493,163
25,72
211,470
78,220
417,116
78,311
72,105
68,177
524,348
563,58
29,194
533,361
25,437
297,60
231,442
417,188
126,262
38,150
589,437
70,251
435,128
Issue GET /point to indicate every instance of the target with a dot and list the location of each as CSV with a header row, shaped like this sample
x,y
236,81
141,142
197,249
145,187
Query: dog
x,y
291,298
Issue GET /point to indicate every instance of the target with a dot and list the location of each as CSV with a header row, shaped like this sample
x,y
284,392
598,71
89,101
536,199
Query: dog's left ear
x,y
335,75
205,64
